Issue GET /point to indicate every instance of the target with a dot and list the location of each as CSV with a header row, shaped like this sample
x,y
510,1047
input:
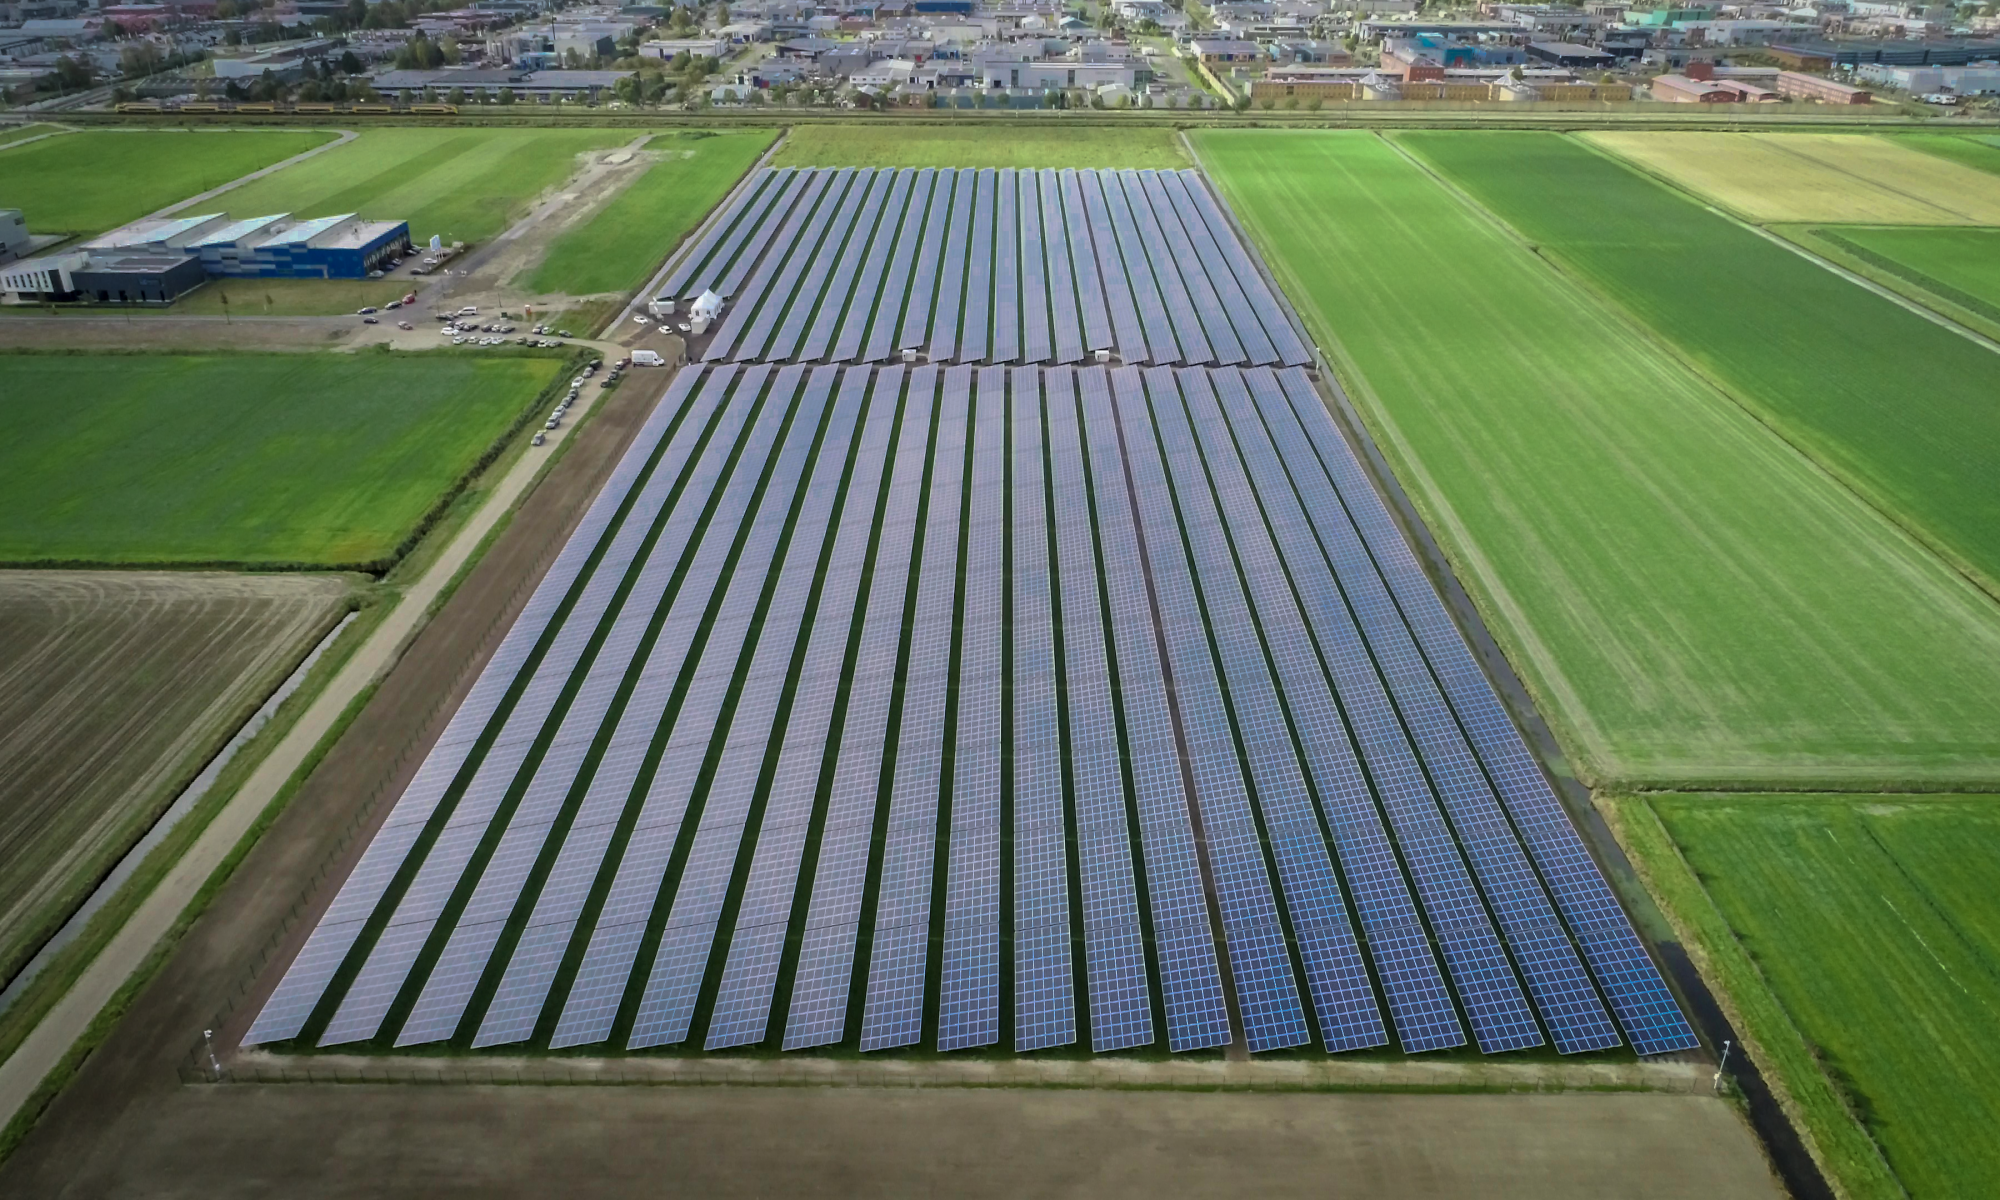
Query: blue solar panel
x,y
886,274
1007,273
1291,350
644,475
1090,287
1212,261
749,204
1128,335
1556,979
1336,974
743,1003
1494,1004
796,285
1035,342
737,318
1631,982
790,210
1050,245
841,297
1194,345
762,215
969,996
685,944
1121,1013
383,975
973,338
1182,259
894,1014
1137,275
924,280
1197,1015
818,1014
952,283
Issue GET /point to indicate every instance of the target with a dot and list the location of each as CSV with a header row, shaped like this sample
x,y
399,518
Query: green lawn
x,y
1959,265
90,182
1688,597
1892,402
1861,937
900,144
461,184
321,459
621,244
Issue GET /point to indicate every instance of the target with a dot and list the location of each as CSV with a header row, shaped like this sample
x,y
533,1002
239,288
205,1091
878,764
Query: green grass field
x,y
900,144
319,459
1895,404
1960,265
1689,598
623,242
21,133
1860,937
1981,152
60,185
461,184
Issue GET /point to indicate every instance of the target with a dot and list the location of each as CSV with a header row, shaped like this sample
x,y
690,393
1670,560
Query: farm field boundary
x,y
57,182
1890,402
895,144
1664,667
156,672
1804,177
313,460
121,976
1859,954
1961,267
462,184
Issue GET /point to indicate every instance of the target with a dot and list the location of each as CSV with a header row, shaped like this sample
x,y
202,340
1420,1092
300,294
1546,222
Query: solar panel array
x,y
968,705
964,706
982,266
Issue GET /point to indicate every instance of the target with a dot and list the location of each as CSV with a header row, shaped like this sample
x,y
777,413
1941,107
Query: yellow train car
x,y
139,106
375,109
256,108
314,108
202,107
435,110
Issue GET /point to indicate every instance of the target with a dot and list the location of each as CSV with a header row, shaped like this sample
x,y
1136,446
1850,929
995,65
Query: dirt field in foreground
x,y
303,1142
115,687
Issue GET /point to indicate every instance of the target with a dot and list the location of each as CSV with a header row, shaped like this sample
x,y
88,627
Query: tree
x,y
1268,104
73,72
1243,102
1314,104
506,95
456,96
349,63
139,59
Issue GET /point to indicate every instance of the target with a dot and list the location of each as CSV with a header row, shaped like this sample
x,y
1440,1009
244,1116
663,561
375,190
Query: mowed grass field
x,y
313,459
1688,597
116,687
900,144
86,183
1860,937
287,297
1961,265
1975,150
1897,405
460,184
1815,177
618,246
21,133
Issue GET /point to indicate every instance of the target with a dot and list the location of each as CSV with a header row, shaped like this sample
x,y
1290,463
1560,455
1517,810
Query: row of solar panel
x,y
1110,662
1002,266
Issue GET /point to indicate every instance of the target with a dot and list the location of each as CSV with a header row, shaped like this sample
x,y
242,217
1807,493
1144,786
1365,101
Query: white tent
x,y
707,307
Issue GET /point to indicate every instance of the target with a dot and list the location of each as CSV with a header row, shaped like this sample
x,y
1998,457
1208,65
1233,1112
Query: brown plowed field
x,y
115,688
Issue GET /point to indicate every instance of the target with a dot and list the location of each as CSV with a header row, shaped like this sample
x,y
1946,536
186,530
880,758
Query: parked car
x,y
366,311
540,438
404,325
370,321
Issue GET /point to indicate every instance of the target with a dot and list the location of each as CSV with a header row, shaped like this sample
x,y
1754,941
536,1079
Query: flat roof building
x,y
1827,91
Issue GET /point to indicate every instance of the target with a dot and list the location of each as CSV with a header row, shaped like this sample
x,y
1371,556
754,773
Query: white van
x,y
647,358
